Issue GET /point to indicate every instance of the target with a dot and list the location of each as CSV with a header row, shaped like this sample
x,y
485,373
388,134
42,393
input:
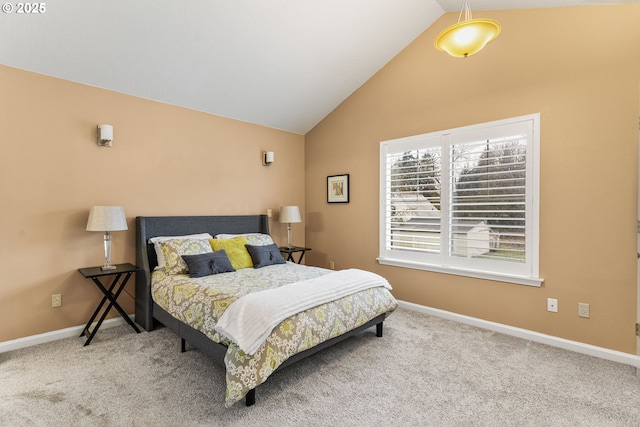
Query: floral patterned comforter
x,y
200,302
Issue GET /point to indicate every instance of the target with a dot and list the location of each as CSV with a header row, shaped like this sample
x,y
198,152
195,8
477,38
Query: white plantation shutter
x,y
488,200
414,219
463,200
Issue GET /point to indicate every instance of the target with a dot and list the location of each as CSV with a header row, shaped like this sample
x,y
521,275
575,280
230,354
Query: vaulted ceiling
x,y
284,64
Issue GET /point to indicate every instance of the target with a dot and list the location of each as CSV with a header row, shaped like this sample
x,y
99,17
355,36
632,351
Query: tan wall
x,y
580,69
165,160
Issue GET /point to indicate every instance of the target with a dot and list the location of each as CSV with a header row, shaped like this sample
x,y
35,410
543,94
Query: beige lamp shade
x,y
290,214
107,218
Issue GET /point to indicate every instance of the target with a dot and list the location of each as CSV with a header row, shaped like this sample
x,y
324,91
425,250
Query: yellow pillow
x,y
236,251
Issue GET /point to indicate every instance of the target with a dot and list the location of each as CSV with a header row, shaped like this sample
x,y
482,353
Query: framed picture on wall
x,y
338,188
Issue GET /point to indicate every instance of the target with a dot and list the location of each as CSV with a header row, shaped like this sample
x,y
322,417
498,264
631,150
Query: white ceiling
x,y
284,64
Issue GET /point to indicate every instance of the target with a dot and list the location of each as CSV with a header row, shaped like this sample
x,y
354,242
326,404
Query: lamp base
x,y
107,253
289,236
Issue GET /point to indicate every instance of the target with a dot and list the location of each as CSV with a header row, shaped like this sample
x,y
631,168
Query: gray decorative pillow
x,y
263,256
207,264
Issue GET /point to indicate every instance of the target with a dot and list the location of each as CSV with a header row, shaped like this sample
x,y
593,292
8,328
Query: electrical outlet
x,y
583,309
56,300
332,265
552,305
269,213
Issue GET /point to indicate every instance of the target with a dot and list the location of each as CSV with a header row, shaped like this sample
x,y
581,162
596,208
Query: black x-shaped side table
x,y
289,251
95,273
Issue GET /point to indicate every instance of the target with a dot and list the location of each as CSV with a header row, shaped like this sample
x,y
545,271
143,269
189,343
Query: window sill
x,y
508,278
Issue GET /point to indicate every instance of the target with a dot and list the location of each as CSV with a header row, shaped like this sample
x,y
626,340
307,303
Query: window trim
x,y
456,271
533,215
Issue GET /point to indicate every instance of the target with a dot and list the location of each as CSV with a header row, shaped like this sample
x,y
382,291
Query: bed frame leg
x,y
379,329
250,398
183,345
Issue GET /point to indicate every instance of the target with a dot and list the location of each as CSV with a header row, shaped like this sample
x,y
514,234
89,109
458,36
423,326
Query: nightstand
x,y
288,252
120,276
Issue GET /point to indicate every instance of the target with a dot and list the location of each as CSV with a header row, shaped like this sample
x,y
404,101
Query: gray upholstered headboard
x,y
153,226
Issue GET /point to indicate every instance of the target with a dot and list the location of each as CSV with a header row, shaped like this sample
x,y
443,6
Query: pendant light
x,y
468,36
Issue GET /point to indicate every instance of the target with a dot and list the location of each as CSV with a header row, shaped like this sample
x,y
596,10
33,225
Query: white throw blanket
x,y
250,319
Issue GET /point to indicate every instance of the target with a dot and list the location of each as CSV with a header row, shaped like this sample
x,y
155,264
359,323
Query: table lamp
x,y
107,219
289,214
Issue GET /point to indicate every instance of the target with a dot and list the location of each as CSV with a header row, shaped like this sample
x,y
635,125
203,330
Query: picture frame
x,y
338,188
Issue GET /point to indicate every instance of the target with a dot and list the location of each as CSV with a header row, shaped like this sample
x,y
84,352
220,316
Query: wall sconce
x,y
267,158
105,135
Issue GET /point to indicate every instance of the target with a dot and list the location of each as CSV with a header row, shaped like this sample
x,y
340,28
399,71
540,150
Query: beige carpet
x,y
424,371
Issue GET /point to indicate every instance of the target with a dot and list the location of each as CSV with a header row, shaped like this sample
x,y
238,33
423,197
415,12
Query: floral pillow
x,y
172,251
156,244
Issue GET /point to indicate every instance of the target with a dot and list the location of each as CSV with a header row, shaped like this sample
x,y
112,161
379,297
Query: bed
x,y
159,295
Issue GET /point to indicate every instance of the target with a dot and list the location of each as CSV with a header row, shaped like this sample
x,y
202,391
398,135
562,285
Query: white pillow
x,y
253,239
156,244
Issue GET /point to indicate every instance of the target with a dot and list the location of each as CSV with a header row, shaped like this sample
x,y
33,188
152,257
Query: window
x,y
464,201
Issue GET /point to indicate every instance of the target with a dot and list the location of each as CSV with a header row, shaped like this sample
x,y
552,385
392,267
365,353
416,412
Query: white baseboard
x,y
578,347
73,331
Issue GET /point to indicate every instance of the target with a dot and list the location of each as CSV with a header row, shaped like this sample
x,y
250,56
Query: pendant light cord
x,y
467,11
